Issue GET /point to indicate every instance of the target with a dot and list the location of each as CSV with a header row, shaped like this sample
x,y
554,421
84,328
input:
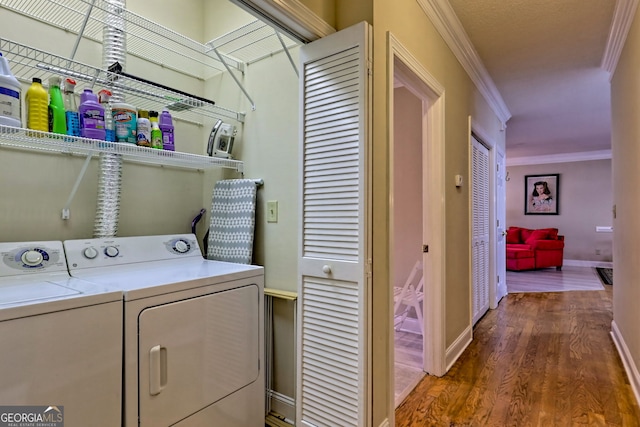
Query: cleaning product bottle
x,y
91,116
105,96
166,126
143,127
37,102
156,133
10,94
71,108
57,119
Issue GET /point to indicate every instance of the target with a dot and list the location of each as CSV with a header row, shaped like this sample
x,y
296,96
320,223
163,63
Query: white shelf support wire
x,y
286,50
221,58
65,210
81,31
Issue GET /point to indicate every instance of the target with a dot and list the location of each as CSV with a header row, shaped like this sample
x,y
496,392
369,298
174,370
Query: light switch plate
x,y
272,211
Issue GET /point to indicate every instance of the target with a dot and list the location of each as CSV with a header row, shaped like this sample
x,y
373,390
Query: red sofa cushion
x,y
525,233
540,234
519,246
547,244
515,253
513,235
553,233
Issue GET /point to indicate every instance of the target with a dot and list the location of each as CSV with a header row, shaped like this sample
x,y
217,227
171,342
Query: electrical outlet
x,y
272,211
597,251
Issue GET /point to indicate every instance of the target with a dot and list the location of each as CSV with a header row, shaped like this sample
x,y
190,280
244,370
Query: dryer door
x,y
195,352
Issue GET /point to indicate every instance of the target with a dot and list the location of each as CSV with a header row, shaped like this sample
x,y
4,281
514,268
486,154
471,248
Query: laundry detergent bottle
x,y
37,102
10,96
91,116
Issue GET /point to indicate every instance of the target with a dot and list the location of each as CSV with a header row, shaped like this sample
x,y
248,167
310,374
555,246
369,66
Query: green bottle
x,y
57,117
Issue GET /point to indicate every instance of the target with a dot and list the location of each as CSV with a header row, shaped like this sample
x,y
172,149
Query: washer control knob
x,y
111,251
181,246
32,257
90,252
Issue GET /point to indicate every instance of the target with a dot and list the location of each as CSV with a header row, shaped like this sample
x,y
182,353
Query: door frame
x,y
402,65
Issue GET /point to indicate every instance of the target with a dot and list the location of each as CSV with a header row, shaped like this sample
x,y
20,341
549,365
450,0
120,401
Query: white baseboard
x,y
459,345
583,263
627,360
385,423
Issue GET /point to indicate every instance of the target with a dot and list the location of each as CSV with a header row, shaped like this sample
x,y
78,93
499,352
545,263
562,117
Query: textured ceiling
x,y
544,57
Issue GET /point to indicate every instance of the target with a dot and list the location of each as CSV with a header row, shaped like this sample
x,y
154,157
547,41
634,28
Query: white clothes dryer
x,y
193,330
61,338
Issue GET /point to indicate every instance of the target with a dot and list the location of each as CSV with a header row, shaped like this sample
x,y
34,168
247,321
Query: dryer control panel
x,y
109,251
29,257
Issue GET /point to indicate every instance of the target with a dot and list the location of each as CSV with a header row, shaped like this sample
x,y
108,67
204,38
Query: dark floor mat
x,y
606,275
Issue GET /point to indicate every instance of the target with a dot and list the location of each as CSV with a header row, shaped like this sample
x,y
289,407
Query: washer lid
x,y
31,295
23,293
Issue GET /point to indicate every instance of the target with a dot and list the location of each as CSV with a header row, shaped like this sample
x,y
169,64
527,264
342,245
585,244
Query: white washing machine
x,y
60,337
193,330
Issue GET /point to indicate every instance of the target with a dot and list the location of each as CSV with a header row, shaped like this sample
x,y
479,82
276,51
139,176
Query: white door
x,y
480,196
501,228
333,366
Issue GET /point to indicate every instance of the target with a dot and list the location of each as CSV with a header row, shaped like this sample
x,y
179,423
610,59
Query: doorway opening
x,y
416,210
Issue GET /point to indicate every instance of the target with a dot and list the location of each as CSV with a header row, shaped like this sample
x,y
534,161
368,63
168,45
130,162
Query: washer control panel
x,y
27,257
102,252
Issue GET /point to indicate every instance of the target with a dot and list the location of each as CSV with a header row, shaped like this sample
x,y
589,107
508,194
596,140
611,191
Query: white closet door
x,y
480,228
333,368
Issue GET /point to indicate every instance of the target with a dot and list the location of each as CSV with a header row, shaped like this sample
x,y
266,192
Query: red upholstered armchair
x,y
531,249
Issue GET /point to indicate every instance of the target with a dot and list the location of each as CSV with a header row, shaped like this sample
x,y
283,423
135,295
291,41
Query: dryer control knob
x,y
32,257
111,251
90,252
181,246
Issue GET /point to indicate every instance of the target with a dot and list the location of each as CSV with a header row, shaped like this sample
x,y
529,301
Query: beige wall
x,y
586,201
625,105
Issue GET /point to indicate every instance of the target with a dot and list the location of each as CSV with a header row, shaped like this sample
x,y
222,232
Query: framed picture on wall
x,y
541,194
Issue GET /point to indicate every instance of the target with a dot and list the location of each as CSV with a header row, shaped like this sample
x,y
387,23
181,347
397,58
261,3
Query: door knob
x,y
326,269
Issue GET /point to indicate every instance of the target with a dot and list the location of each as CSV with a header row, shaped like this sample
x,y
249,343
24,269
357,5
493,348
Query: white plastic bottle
x,y
10,96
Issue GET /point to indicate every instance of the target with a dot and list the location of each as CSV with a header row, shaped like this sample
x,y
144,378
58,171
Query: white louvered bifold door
x,y
480,228
333,368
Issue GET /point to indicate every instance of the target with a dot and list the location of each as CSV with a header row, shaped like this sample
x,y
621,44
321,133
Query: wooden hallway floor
x,y
539,359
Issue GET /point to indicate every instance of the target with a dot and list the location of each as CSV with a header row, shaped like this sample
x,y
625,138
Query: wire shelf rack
x,y
151,40
27,62
251,42
45,142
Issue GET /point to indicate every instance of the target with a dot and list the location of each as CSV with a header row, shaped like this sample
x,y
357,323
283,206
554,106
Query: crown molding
x,y
559,158
448,25
623,15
